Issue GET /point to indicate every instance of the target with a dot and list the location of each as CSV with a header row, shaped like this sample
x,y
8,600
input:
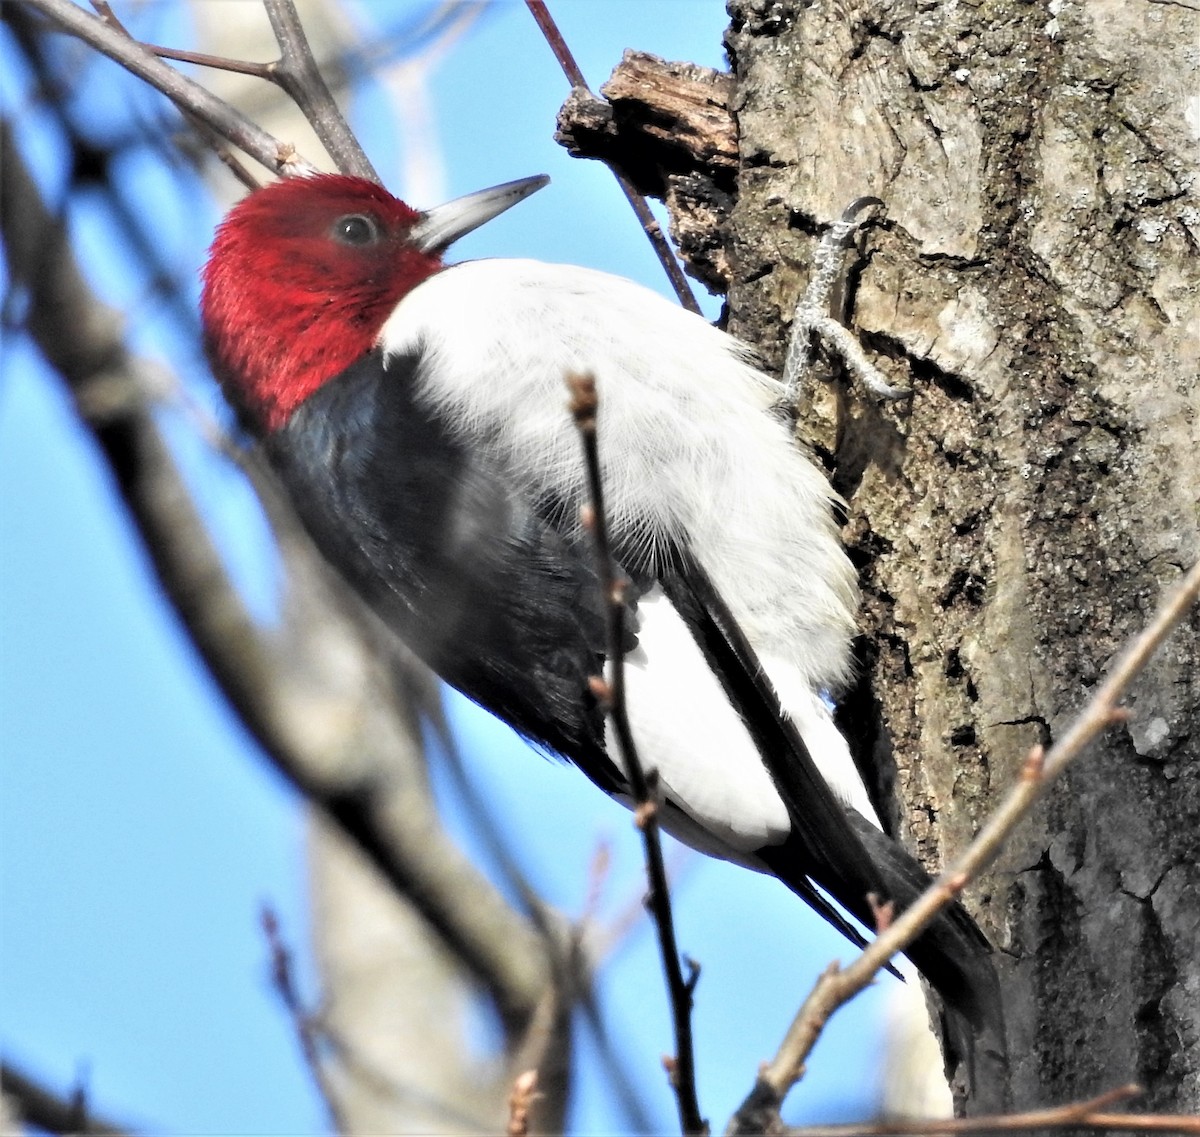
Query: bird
x,y
415,411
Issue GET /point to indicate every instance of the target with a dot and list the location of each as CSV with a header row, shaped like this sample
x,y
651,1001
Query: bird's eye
x,y
356,229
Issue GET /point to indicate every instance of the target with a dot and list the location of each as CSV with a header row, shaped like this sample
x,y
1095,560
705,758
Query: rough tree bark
x,y
1035,284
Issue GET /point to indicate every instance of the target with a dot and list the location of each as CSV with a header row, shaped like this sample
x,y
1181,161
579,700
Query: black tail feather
x,y
833,846
952,953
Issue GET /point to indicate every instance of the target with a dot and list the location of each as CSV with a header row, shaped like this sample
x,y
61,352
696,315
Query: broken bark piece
x,y
698,212
656,119
668,128
684,108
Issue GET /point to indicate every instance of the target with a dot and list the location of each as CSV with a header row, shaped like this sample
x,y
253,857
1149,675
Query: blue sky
x,y
139,829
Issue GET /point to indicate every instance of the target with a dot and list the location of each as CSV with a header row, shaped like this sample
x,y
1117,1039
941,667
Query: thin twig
x,y
558,45
682,1069
197,58
312,1036
1146,1122
614,1060
1088,1114
520,1103
298,74
604,940
214,62
218,115
650,226
494,839
219,146
284,982
835,986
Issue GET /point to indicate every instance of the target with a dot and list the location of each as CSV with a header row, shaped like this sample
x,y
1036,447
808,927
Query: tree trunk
x,y
1034,282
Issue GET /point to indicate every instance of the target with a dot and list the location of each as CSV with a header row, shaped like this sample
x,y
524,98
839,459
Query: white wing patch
x,y
825,743
709,767
685,727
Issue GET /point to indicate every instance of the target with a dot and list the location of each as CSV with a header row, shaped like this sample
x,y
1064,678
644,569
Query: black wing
x,y
473,579
823,848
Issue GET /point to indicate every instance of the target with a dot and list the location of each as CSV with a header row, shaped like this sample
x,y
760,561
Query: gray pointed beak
x,y
440,227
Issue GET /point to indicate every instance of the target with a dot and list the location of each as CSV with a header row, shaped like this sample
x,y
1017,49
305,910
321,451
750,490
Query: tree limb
x,y
280,157
41,1107
316,692
297,72
1082,1115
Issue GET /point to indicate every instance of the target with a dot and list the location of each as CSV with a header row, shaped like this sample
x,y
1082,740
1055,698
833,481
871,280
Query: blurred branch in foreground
x,y
318,690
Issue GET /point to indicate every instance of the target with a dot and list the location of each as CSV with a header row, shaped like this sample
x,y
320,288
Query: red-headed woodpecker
x,y
417,414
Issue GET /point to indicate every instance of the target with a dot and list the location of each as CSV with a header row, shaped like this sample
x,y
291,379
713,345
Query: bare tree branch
x,y
283,979
650,226
41,1107
317,692
277,156
521,1103
1084,1115
297,73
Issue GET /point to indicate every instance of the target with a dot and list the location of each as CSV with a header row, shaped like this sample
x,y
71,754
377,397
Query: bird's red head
x,y
300,279
304,273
